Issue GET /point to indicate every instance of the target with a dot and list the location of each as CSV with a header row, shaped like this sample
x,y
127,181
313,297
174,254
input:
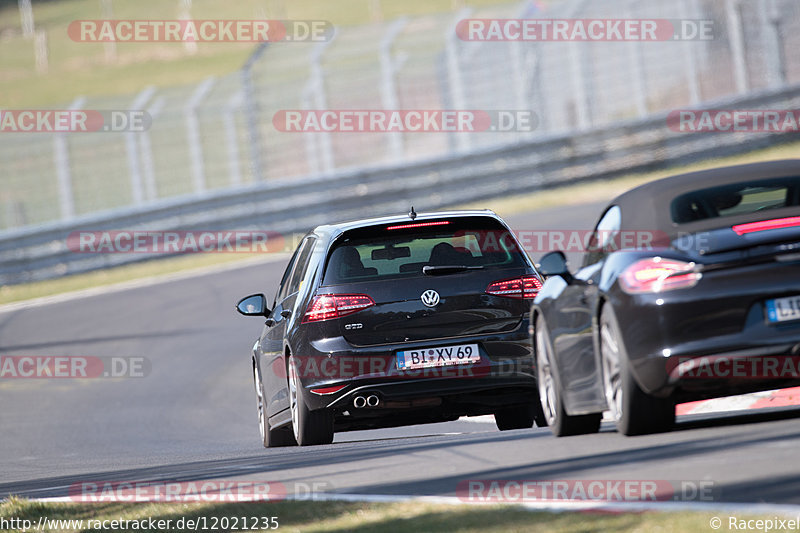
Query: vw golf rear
x,y
397,321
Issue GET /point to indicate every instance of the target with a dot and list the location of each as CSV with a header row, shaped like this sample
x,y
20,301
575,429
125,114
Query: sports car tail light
x,y
763,225
656,274
524,287
328,306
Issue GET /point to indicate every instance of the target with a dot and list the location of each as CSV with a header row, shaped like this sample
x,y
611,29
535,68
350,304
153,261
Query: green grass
x,y
120,274
77,68
560,196
370,517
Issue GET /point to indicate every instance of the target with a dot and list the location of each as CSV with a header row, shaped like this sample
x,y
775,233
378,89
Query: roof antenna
x,y
412,214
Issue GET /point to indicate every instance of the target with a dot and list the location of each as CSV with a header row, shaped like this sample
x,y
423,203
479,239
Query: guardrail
x,y
41,252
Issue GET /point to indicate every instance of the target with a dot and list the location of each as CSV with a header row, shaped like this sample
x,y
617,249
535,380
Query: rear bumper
x,y
422,392
432,400
670,336
506,364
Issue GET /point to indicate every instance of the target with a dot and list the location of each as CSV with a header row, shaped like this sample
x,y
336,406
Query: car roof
x,y
332,231
647,207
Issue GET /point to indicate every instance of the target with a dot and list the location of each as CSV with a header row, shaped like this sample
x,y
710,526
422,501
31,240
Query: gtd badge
x,y
430,298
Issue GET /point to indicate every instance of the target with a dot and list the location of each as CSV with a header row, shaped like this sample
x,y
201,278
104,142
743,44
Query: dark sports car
x,y
689,289
395,321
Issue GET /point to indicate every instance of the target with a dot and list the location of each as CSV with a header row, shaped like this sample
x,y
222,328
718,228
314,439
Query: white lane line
x,y
773,509
482,419
141,282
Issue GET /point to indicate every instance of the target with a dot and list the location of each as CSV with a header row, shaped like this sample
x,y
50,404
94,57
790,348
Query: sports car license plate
x,y
462,354
783,309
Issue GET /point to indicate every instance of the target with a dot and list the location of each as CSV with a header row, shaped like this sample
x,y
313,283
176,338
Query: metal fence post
x,y
688,9
134,167
193,134
456,81
233,104
148,167
317,87
388,85
309,137
637,69
250,106
26,17
736,37
773,44
523,63
582,112
526,69
66,196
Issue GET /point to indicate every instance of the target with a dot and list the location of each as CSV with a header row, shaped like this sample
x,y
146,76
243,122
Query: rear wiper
x,y
447,269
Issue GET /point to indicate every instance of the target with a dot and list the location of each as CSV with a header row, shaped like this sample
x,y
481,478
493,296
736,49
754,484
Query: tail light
x,y
524,287
658,275
328,306
764,225
420,225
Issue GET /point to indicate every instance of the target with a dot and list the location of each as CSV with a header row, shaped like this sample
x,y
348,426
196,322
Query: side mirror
x,y
253,305
554,264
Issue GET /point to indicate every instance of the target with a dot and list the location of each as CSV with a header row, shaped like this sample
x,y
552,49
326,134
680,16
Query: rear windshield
x,y
402,250
738,199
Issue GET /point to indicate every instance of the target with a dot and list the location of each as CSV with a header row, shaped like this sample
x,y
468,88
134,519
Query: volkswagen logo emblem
x,y
430,298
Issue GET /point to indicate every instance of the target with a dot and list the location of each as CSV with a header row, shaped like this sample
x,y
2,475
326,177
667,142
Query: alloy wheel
x,y
547,386
612,370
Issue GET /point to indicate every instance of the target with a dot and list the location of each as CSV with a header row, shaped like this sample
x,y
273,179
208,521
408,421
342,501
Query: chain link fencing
x,y
220,134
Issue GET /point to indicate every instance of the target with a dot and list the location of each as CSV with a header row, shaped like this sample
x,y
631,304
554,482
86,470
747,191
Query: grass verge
x,y
559,196
119,274
83,68
358,517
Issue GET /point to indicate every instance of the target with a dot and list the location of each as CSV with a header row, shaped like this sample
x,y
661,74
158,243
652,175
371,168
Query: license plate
x,y
783,309
462,354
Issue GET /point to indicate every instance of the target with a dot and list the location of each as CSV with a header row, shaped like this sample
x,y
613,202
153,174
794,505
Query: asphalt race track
x,y
193,417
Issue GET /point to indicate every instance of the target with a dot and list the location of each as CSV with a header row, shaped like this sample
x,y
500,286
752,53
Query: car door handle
x,y
286,313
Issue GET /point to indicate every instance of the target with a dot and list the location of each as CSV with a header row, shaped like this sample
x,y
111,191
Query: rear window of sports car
x,y
737,199
402,250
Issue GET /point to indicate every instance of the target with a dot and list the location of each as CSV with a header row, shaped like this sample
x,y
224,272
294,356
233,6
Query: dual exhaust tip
x,y
359,402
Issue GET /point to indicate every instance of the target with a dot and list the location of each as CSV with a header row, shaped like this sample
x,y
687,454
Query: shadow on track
x,y
609,450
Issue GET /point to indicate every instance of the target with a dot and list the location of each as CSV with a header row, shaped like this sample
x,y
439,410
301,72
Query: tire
x,y
309,427
521,417
270,438
633,411
555,416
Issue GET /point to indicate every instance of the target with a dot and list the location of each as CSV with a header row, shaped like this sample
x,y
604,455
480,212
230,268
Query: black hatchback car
x,y
396,321
689,289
